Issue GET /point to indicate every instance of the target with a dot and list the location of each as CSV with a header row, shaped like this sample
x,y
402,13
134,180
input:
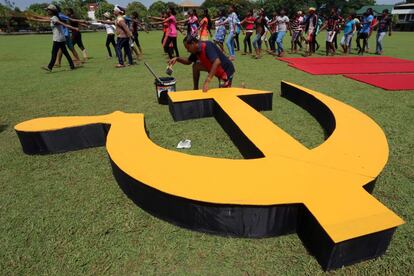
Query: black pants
x,y
312,43
236,42
247,41
136,40
170,50
77,40
123,43
55,48
272,41
364,37
110,39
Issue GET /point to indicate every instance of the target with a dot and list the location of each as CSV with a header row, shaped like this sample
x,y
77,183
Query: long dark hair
x,y
172,10
206,15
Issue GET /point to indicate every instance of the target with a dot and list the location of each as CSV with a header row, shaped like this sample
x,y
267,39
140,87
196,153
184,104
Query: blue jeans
x,y
230,44
123,43
279,41
380,37
257,41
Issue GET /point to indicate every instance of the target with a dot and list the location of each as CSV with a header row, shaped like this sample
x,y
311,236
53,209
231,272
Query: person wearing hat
x,y
384,25
310,29
124,35
59,40
110,32
206,56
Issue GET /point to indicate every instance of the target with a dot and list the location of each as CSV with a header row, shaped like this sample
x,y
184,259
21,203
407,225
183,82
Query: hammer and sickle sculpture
x,y
280,187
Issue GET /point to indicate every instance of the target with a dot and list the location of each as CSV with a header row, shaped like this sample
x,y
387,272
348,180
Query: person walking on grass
x,y
171,32
331,26
110,33
384,25
364,31
273,33
124,35
310,29
260,23
76,35
134,29
282,28
349,30
205,26
59,39
63,19
296,28
220,34
231,20
249,27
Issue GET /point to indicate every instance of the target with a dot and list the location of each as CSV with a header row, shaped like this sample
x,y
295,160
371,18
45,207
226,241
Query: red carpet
x,y
384,72
387,81
352,68
343,60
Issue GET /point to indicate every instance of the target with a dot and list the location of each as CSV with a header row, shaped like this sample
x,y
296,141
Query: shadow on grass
x,y
3,128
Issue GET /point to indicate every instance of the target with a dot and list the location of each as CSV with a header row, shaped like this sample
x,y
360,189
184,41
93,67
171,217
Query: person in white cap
x,y
110,33
311,23
124,35
59,40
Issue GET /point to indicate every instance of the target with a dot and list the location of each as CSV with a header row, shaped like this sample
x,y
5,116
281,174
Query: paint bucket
x,y
164,85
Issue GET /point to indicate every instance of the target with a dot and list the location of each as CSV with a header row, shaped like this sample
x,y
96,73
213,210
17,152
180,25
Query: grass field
x,y
65,214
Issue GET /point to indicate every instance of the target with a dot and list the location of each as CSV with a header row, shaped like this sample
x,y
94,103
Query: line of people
x,y
66,35
260,29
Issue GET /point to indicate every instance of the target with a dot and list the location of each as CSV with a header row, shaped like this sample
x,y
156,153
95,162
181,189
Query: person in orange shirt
x,y
205,26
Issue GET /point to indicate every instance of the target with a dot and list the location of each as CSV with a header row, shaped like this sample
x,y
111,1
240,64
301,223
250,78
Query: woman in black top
x,y
260,30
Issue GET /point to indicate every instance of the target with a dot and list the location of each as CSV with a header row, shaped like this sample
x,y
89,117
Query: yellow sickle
x,y
282,187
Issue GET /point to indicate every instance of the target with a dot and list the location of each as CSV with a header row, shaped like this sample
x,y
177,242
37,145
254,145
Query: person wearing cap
x,y
384,25
110,33
124,35
59,40
310,29
206,56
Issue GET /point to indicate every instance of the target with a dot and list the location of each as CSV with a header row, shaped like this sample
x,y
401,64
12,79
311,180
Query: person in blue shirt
x,y
349,30
384,25
365,30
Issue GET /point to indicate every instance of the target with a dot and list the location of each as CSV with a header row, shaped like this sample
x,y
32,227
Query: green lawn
x,y
65,214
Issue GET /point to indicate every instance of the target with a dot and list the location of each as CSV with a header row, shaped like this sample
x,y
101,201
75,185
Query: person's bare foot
x,y
231,58
46,68
119,66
